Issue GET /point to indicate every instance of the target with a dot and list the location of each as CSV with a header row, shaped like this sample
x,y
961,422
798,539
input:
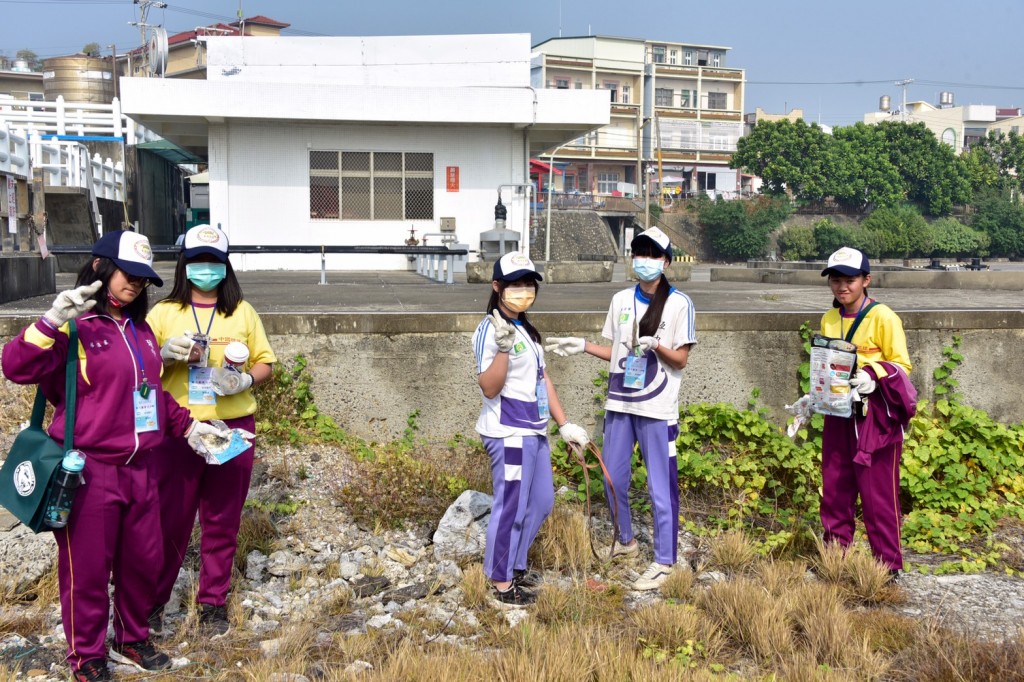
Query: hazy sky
x,y
820,56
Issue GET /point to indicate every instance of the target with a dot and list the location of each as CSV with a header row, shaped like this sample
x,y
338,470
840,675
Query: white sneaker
x,y
653,578
620,551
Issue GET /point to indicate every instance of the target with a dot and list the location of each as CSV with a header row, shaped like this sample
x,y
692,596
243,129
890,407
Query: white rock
x,y
270,647
462,531
379,621
255,563
356,667
25,557
179,662
284,563
515,616
288,677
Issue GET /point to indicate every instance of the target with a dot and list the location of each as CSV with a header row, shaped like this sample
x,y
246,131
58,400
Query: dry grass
x,y
671,628
563,543
821,622
256,532
862,577
579,604
945,655
476,588
780,577
25,606
749,617
679,585
732,552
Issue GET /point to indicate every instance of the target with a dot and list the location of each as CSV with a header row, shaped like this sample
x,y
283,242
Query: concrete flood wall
x,y
931,279
372,370
25,276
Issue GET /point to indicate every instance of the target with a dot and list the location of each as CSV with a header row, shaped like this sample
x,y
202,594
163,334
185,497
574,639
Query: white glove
x,y
646,343
571,433
801,411
177,349
200,429
504,332
863,383
71,303
564,346
230,381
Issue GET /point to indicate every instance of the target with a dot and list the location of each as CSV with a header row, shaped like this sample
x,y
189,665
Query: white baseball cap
x,y
658,238
514,266
847,261
205,239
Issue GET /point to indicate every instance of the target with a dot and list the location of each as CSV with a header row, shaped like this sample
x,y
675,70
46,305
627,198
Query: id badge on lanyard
x,y
636,371
146,416
543,407
200,386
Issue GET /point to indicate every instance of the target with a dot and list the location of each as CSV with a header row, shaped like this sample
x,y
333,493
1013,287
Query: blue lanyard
x,y
842,325
213,314
137,352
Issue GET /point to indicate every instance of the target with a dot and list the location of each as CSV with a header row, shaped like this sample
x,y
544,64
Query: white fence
x,y
14,154
67,164
73,118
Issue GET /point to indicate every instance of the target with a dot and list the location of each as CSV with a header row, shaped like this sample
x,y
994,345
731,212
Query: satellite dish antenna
x,y
156,51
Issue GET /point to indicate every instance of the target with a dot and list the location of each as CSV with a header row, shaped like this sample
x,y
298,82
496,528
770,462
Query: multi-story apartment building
x,y
676,113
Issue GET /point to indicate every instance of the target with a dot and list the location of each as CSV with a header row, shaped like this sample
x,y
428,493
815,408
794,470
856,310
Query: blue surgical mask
x,y
206,276
648,269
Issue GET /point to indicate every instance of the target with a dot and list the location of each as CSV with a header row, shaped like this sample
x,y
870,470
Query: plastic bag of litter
x,y
833,362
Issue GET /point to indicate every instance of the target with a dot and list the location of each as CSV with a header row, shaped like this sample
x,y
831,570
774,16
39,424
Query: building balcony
x,y
593,151
704,114
706,72
570,62
631,110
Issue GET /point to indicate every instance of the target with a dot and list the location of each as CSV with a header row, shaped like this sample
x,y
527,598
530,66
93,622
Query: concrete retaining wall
x,y
372,370
937,279
24,276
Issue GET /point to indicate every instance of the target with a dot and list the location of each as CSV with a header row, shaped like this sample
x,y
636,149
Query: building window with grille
x,y
607,183
625,94
687,57
662,97
672,56
717,100
371,185
658,54
716,59
684,98
562,84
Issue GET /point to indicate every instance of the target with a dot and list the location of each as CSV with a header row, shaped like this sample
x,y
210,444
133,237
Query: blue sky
x,y
820,56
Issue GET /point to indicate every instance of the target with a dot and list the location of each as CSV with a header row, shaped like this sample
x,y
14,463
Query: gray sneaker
x,y
653,578
620,551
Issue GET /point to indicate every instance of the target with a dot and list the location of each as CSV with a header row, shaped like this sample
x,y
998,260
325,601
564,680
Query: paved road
x,y
407,292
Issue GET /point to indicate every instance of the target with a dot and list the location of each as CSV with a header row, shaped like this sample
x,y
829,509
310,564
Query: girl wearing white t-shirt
x,y
519,399
651,329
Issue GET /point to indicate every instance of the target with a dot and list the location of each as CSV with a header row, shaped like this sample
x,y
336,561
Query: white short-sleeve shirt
x,y
659,396
514,411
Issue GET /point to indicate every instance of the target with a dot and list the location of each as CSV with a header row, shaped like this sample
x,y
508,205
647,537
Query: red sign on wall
x,y
452,176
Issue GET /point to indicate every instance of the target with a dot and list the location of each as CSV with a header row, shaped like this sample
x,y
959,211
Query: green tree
x,y
933,176
1003,221
91,49
982,167
864,175
787,156
29,56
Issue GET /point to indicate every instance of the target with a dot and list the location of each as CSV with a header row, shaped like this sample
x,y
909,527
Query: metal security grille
x,y
371,185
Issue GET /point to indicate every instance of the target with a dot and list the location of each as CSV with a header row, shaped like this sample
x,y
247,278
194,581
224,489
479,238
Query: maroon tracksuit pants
x,y
188,484
113,529
842,480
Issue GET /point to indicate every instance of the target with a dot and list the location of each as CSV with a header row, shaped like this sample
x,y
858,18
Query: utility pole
x,y
903,107
113,63
144,7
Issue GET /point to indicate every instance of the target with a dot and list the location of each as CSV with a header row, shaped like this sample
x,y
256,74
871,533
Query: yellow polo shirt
x,y
879,338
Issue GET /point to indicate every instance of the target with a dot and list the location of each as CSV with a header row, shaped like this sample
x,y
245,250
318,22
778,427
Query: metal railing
x,y
437,262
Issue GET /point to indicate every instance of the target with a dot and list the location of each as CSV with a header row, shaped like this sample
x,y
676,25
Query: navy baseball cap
x,y
130,251
658,238
205,239
848,262
515,266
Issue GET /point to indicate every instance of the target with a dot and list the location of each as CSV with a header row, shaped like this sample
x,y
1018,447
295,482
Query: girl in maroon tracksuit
x,y
122,413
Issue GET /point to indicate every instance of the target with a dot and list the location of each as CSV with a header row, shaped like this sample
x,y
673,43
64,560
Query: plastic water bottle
x,y
236,354
65,486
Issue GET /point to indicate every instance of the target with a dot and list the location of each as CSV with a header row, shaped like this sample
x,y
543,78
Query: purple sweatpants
x,y
657,440
114,528
878,486
524,494
188,484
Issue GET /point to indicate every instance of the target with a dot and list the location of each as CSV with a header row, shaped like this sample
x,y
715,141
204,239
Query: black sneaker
x,y
894,576
526,578
514,596
92,670
213,620
156,622
142,655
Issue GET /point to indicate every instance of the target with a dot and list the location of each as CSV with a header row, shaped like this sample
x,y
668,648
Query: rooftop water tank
x,y
883,103
21,66
79,79
945,100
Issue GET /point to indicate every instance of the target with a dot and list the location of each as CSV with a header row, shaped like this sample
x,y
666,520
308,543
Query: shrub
x,y
902,230
1003,221
952,238
738,230
829,237
797,243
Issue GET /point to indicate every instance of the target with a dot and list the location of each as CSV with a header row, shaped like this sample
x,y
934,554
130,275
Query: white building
x,y
353,141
